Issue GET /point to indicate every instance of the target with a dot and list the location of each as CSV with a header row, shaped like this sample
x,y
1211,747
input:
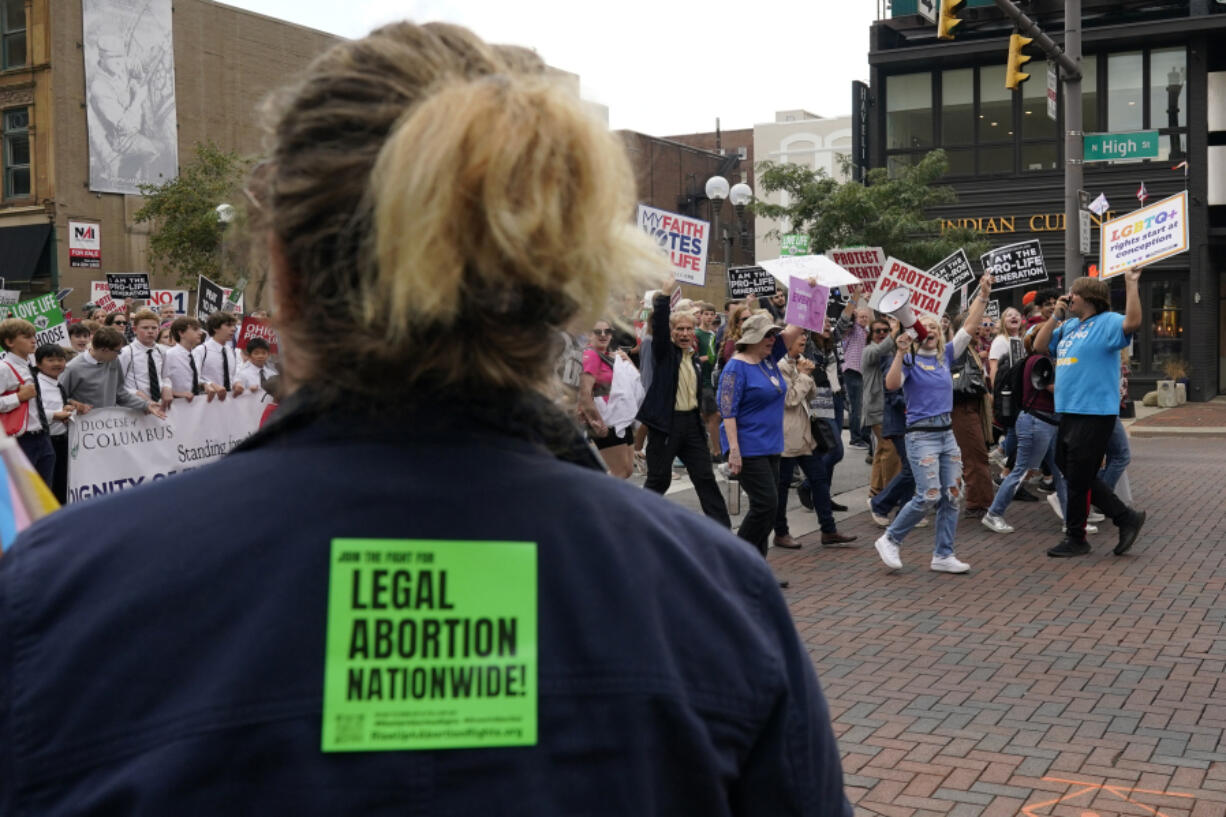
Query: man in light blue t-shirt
x,y
1087,338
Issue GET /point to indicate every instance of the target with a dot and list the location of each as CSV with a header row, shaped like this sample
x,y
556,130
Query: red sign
x,y
256,328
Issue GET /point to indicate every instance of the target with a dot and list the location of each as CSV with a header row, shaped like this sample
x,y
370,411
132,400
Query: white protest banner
x,y
1015,265
929,295
807,305
44,312
863,262
683,238
827,273
84,245
1144,236
748,282
955,269
113,449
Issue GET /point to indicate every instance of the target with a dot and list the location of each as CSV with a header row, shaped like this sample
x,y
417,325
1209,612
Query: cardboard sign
x,y
430,644
956,269
684,239
256,328
209,298
1144,236
128,285
794,244
84,245
929,294
863,262
1015,265
807,305
108,305
50,325
749,282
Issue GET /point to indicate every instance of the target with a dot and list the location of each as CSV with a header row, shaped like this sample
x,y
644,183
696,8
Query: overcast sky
x,y
661,67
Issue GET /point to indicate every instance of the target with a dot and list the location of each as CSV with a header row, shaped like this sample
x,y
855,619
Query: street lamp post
x,y
740,194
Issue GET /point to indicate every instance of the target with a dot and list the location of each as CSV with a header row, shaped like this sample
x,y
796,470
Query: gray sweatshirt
x,y
98,384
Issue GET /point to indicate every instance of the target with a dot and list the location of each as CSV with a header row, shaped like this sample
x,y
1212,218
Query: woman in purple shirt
x,y
936,463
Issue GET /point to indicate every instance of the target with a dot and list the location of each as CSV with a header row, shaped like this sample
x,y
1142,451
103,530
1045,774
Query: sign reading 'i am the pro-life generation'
x,y
430,644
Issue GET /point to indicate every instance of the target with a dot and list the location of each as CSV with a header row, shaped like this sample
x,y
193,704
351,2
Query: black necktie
x,y
263,380
155,385
38,399
195,374
225,369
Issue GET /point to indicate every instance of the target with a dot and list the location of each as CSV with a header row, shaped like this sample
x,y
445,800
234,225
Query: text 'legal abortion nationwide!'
x,y
430,645
684,239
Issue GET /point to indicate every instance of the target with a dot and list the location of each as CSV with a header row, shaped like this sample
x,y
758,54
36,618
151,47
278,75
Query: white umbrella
x,y
827,273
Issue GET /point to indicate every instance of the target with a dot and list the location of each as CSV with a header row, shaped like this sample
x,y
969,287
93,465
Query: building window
x,y
1125,92
17,153
908,112
1168,97
12,33
958,107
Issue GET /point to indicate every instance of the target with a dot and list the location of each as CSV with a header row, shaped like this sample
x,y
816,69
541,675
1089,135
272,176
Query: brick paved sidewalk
x,y
1203,416
1099,682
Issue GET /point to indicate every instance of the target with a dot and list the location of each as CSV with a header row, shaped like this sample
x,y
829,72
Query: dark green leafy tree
x,y
891,213
186,237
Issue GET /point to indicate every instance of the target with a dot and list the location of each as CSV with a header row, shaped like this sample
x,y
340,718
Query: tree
x,y
187,238
886,212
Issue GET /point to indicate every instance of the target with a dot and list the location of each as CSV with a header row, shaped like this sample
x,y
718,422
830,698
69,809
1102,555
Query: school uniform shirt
x,y
53,401
11,380
208,357
134,361
249,374
179,369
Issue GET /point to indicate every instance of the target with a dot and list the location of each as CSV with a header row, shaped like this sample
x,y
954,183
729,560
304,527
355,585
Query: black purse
x,y
968,377
823,435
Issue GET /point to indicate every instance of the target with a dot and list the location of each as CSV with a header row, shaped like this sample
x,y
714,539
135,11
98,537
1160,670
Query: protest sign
x,y
113,449
173,297
683,238
929,294
122,285
8,297
794,244
991,310
1015,265
383,690
44,312
84,245
863,262
1144,236
748,282
108,304
256,328
955,270
807,305
209,298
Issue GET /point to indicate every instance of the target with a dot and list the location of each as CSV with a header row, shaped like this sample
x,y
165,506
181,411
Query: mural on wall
x,y
130,94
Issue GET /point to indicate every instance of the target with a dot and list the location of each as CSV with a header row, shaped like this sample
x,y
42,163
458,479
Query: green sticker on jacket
x,y
430,645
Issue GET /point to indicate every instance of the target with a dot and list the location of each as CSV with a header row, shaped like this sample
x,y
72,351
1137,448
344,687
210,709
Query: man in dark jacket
x,y
670,411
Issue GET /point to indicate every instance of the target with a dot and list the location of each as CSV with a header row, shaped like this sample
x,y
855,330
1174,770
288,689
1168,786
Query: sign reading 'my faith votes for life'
x,y
929,294
1144,236
684,239
1015,265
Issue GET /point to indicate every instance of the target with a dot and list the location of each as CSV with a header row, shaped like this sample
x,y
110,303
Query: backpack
x,y
1007,392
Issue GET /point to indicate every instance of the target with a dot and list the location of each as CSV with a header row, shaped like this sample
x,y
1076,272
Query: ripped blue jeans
x,y
936,465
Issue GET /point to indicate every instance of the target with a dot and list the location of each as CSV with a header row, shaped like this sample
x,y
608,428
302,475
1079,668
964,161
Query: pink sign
x,y
807,304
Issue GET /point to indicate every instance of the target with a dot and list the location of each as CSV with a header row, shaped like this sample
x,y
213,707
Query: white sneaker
x,y
923,523
1089,529
882,521
996,524
1054,501
1095,516
888,551
949,564
997,457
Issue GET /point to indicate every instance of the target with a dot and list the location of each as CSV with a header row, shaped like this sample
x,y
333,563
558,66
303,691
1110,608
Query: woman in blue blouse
x,y
751,395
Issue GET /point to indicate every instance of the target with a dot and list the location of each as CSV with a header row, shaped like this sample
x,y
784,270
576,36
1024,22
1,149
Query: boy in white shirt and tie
x,y
144,362
256,370
50,359
216,361
19,393
181,367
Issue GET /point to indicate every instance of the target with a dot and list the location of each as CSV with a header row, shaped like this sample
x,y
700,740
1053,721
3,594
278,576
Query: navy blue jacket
x,y
657,408
147,672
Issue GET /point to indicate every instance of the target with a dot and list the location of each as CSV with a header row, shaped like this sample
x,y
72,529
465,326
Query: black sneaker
x,y
1069,547
836,506
1047,485
805,495
1023,495
1129,531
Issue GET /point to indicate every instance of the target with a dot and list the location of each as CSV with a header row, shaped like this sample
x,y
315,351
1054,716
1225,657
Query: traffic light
x,y
947,18
1013,73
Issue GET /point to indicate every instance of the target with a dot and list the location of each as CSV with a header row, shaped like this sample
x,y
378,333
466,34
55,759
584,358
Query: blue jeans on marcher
x,y
1035,443
1119,454
835,455
900,489
814,469
936,465
853,382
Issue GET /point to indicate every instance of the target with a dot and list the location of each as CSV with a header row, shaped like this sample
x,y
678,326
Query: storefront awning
x,y
25,254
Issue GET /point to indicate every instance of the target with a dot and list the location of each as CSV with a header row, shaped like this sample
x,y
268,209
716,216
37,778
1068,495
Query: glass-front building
x,y
1146,67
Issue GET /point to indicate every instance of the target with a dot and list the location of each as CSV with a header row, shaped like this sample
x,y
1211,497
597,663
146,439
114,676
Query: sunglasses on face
x,y
119,323
602,332
881,330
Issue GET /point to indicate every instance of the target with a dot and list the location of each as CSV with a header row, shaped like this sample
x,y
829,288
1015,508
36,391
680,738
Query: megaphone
x,y
1043,374
897,302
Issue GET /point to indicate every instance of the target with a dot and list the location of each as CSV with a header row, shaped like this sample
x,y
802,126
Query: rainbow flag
x,y
24,497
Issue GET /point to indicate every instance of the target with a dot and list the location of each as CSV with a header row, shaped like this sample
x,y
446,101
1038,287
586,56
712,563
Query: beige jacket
x,y
797,435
